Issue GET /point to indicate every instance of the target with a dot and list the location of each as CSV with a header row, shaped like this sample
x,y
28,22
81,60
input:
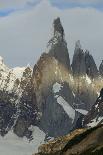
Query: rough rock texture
x,y
79,142
101,69
95,115
57,46
91,68
83,63
50,97
16,109
48,73
77,93
78,63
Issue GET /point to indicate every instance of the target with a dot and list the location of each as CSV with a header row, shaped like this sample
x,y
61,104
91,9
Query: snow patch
x,y
82,111
57,87
95,122
67,108
13,145
18,71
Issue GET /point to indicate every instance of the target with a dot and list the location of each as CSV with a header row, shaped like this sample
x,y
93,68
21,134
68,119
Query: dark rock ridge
x,y
17,111
57,46
83,63
78,63
79,142
101,68
95,115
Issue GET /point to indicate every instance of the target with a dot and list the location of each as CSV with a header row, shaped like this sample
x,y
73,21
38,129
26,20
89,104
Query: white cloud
x,y
87,2
24,34
4,4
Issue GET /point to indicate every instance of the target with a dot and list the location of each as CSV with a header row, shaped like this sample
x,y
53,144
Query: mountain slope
x,y
79,142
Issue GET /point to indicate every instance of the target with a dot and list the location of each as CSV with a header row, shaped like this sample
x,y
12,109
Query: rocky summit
x,y
57,46
83,62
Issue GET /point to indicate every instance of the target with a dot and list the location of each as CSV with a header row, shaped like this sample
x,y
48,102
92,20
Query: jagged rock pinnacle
x,y
101,68
58,28
78,45
57,46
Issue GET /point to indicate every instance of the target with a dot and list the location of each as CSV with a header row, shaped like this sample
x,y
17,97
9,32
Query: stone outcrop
x,y
83,63
101,69
79,142
57,46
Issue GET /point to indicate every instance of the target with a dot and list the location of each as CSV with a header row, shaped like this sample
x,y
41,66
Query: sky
x,y
26,27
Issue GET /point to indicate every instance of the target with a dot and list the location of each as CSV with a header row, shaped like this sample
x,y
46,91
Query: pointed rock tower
x,y
57,46
83,63
91,68
101,69
78,63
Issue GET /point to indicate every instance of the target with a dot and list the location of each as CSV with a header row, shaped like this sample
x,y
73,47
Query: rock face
x,y
61,110
91,68
78,63
79,142
95,115
53,97
16,109
101,69
51,91
83,63
57,46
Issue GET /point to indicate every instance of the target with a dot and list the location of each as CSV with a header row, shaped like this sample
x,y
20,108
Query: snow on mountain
x,y
13,145
95,122
57,87
18,72
67,108
95,115
82,111
1,60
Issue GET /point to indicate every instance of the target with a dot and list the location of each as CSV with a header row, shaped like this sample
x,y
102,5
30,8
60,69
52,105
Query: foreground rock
x,y
79,142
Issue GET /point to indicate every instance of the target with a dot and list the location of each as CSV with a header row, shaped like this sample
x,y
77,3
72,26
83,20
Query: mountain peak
x,y
58,28
77,45
1,60
101,68
57,46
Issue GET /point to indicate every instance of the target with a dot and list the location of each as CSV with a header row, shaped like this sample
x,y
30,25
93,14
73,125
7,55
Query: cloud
x,y
24,34
5,4
78,1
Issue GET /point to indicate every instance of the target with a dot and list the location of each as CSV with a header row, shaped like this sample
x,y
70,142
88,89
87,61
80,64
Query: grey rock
x,y
57,46
83,63
91,68
96,113
101,69
78,63
54,120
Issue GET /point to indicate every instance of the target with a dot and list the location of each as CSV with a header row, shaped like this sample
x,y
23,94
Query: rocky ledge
x,y
79,142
